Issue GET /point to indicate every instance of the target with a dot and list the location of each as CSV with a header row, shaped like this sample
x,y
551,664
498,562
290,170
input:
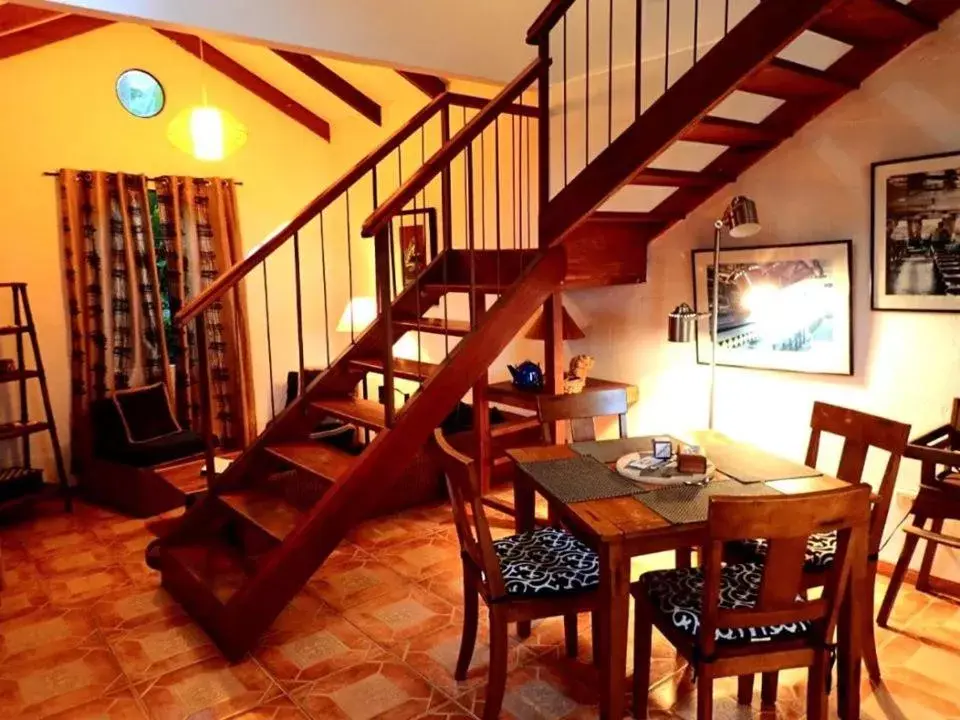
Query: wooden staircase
x,y
268,522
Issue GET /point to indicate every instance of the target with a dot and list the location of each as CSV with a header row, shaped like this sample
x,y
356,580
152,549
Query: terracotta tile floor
x,y
86,632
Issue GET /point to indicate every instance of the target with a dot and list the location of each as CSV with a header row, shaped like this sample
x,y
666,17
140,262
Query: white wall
x,y
815,187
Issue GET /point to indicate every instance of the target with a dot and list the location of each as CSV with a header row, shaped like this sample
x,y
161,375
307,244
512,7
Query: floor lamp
x,y
740,219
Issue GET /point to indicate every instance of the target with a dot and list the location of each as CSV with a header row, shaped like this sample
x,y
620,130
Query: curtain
x,y
113,295
200,238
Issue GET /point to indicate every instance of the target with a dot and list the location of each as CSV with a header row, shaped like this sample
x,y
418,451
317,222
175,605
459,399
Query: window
x,y
140,93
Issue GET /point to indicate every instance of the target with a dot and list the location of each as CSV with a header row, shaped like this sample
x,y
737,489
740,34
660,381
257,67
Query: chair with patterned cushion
x,y
860,432
735,620
538,574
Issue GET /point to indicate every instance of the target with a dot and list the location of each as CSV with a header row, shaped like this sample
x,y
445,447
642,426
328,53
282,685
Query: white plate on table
x,y
665,474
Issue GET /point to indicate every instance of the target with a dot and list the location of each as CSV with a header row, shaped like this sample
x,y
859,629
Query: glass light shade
x,y
207,133
359,313
741,217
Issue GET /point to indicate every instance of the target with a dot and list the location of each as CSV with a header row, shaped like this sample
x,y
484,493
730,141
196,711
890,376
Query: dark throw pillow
x,y
146,413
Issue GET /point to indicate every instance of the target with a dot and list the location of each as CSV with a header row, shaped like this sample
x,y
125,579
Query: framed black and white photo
x,y
781,307
916,234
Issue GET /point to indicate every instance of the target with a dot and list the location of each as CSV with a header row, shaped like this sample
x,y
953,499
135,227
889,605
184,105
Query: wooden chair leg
x,y
817,689
870,658
704,696
768,689
684,558
745,690
642,650
570,634
899,573
471,611
595,621
498,664
926,565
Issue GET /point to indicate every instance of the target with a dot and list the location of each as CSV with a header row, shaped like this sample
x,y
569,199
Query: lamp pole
x,y
714,320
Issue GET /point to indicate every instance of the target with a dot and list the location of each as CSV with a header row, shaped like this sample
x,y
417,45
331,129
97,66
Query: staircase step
x,y
218,567
679,178
437,326
402,368
870,22
645,218
489,288
734,133
788,80
320,459
365,413
514,426
271,513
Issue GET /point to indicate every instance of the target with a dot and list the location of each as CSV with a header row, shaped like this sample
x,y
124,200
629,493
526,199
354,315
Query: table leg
x,y
524,517
850,639
615,611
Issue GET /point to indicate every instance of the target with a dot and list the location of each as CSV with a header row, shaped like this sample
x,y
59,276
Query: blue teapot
x,y
528,375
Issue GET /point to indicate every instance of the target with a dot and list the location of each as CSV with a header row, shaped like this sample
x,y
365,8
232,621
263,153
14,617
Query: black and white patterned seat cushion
x,y
821,549
547,561
677,594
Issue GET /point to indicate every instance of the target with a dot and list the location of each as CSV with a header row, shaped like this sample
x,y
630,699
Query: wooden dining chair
x,y
580,412
731,620
538,574
938,500
860,432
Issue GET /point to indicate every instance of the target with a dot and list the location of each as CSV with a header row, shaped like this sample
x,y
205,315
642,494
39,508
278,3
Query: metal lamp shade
x,y
682,324
742,217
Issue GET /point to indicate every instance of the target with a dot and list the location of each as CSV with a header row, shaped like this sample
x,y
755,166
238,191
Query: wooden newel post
x,y
206,417
382,256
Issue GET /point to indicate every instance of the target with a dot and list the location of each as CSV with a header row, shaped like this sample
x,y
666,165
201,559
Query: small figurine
x,y
576,378
528,375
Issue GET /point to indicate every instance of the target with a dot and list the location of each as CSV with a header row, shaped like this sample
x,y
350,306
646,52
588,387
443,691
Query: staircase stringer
x,y
757,38
253,607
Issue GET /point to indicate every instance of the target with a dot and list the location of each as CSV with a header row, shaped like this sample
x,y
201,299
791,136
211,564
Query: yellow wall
x,y
58,109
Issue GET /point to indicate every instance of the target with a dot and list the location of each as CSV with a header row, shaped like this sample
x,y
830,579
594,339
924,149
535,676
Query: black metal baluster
x,y
296,278
666,53
566,176
326,297
496,190
520,121
586,90
610,78
471,239
483,191
529,192
696,28
266,313
726,17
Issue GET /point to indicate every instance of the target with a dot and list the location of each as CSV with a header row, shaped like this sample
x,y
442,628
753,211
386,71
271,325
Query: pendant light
x,y
205,131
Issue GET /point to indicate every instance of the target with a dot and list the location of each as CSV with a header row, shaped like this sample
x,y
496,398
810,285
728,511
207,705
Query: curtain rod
x,y
159,177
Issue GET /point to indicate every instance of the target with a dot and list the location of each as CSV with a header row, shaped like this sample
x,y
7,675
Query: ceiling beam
x,y
327,78
47,33
430,85
15,17
252,82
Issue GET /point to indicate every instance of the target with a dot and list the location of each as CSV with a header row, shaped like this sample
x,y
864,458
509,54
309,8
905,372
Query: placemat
x,y
579,479
609,451
689,503
751,465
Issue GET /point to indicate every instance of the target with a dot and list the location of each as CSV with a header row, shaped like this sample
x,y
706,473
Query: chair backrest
x,y
955,425
581,410
786,522
860,432
473,530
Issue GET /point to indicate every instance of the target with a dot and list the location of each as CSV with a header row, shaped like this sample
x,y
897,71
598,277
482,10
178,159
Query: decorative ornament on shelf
x,y
205,131
528,375
575,379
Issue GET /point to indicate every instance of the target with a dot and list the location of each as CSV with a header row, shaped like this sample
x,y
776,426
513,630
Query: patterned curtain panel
x,y
116,323
199,231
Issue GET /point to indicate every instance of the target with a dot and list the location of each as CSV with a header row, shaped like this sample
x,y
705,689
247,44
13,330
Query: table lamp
x,y
741,220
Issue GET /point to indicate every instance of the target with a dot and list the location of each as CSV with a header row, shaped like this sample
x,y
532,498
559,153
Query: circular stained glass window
x,y
140,93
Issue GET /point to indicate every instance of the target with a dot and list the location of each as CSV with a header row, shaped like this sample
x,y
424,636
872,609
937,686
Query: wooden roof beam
x,y
430,85
252,82
46,33
16,17
331,81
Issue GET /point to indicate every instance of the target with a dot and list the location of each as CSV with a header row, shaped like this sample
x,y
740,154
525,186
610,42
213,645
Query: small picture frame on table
x,y
662,449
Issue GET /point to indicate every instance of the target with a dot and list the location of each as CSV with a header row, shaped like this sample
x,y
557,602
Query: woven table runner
x,y
609,451
689,503
579,479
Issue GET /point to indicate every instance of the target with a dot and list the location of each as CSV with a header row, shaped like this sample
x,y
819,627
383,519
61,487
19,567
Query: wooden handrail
x,y
547,20
235,274
443,157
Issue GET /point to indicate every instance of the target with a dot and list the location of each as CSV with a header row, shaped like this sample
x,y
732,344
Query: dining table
x,y
620,528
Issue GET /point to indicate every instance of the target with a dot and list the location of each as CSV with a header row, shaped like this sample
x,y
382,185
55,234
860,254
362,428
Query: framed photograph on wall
x,y
915,253
782,307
